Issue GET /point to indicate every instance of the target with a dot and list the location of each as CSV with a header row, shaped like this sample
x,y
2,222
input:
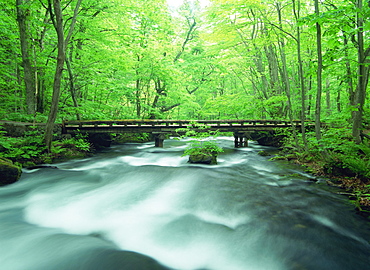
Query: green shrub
x,y
78,143
203,142
30,149
23,148
207,148
342,155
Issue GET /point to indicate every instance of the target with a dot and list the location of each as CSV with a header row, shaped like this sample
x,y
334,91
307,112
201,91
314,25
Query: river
x,y
136,207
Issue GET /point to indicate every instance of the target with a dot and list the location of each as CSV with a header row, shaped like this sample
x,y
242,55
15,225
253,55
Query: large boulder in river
x,y
9,173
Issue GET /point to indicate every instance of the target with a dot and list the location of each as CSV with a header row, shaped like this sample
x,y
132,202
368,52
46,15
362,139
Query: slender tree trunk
x,y
273,69
72,87
261,70
58,24
286,78
296,11
138,90
310,98
137,96
348,71
327,97
319,75
339,109
58,73
362,77
29,76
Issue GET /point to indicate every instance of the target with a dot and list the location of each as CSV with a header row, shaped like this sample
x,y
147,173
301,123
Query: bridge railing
x,y
178,123
171,126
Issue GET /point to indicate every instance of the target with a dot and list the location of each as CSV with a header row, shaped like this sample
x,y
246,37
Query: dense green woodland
x,y
233,59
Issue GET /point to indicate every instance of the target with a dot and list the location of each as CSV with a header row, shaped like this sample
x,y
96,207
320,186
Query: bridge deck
x,y
172,126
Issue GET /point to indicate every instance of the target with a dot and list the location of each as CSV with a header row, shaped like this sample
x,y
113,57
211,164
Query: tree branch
x,y
73,23
189,36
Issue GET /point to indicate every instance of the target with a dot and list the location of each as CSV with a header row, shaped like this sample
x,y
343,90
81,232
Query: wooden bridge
x,y
161,128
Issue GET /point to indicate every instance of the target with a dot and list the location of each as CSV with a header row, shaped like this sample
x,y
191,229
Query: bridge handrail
x,y
154,122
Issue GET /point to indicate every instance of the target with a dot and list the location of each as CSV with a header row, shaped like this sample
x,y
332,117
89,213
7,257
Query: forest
x,y
217,59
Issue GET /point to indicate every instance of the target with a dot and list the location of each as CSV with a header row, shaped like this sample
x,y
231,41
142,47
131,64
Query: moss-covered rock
x,y
263,153
203,159
9,173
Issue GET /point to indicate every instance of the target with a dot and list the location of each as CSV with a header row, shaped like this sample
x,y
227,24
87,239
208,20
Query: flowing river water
x,y
134,207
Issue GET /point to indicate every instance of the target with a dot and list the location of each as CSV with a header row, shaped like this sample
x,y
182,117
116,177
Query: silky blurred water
x,y
139,207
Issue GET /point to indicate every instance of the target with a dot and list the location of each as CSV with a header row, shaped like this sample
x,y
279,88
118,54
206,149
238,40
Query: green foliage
x,y
131,137
343,156
196,130
124,65
263,153
203,147
203,142
30,148
79,143
20,149
361,198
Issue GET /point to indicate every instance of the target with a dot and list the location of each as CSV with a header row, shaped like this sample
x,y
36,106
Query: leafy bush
x,y
78,143
207,148
22,148
203,142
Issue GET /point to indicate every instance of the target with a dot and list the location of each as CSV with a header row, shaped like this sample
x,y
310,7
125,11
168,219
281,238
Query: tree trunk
x,y
160,91
296,11
72,87
273,69
138,90
58,74
348,70
319,75
362,77
261,70
286,78
58,24
29,76
327,97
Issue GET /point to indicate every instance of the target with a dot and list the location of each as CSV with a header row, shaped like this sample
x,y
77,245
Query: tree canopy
x,y
121,59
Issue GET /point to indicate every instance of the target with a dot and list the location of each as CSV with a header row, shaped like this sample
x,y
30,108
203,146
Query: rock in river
x,y
203,159
9,173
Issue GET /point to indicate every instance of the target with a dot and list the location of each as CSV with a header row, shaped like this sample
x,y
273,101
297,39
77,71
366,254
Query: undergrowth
x,y
338,157
30,149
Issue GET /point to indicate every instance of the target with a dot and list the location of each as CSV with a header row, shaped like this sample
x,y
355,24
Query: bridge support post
x,y
158,139
240,140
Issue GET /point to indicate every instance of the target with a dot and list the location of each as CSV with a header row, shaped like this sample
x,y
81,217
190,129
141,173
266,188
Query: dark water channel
x,y
139,207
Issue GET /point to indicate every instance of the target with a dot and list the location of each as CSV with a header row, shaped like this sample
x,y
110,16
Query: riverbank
x,y
357,189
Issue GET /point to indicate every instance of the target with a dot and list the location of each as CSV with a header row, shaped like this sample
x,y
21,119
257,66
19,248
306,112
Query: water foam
x,y
146,218
154,160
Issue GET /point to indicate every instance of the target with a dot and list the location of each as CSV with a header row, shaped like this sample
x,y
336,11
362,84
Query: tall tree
x,y
297,12
362,74
284,72
28,69
57,18
318,73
